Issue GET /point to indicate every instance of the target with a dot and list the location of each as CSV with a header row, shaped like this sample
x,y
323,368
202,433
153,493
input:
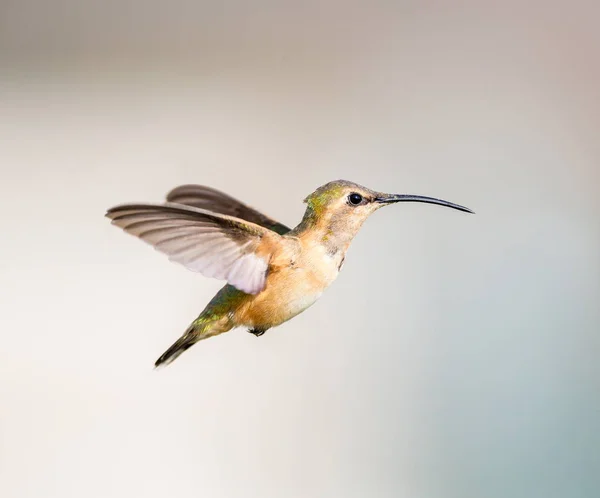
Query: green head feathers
x,y
321,198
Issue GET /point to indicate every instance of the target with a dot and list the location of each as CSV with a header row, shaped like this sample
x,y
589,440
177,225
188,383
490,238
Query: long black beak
x,y
391,198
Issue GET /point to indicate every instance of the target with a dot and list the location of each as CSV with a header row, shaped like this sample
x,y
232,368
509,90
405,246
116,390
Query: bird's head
x,y
343,206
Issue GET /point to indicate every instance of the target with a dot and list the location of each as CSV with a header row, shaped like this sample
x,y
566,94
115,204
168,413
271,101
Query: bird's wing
x,y
215,245
218,202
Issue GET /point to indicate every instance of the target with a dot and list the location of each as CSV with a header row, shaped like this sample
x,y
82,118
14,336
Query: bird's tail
x,y
198,330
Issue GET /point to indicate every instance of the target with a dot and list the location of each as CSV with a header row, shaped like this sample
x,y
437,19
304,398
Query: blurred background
x,y
455,356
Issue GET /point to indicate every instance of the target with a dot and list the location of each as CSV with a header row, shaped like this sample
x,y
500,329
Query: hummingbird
x,y
273,273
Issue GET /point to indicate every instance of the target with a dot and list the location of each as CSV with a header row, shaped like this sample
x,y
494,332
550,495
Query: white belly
x,y
298,304
310,284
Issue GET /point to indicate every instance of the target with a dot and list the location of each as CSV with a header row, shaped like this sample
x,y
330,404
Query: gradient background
x,y
456,356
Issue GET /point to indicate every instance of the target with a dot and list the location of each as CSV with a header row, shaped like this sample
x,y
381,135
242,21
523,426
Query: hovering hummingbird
x,y
273,273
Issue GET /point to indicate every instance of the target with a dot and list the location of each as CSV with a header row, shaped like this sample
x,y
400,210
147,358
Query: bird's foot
x,y
257,332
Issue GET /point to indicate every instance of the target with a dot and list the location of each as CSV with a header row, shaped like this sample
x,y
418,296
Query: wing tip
x,y
113,212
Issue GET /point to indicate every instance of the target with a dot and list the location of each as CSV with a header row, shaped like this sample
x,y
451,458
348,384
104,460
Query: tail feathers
x,y
191,336
201,328
179,346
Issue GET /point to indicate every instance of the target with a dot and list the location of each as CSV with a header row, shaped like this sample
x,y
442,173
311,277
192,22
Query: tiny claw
x,y
257,332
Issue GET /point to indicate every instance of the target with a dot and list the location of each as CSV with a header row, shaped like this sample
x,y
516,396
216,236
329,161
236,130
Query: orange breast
x,y
295,282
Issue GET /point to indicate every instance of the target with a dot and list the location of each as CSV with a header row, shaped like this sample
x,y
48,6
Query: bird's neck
x,y
326,230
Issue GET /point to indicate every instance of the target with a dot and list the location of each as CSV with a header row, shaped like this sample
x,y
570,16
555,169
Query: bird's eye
x,y
355,199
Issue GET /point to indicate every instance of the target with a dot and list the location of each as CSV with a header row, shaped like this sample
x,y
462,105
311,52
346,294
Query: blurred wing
x,y
218,202
217,246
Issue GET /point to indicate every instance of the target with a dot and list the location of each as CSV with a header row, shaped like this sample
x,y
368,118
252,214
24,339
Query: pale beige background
x,y
456,356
